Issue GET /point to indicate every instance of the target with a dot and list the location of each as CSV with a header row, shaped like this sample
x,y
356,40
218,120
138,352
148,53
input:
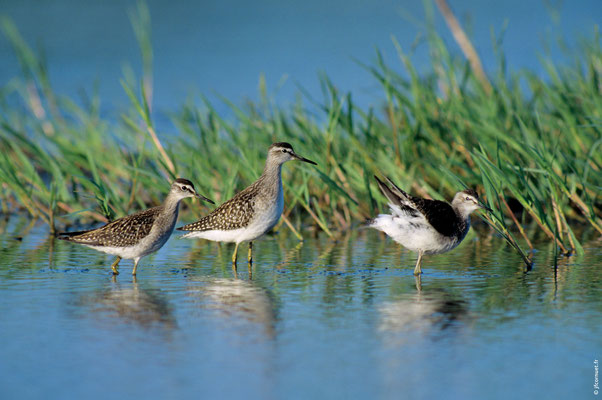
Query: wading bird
x,y
140,234
252,212
426,226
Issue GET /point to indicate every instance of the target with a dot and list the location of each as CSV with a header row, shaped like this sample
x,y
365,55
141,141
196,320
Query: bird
x,y
426,226
253,211
139,234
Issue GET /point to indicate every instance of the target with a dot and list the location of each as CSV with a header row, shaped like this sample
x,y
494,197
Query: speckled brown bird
x,y
140,234
426,226
252,212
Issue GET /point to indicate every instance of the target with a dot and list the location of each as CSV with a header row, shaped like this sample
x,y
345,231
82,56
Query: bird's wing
x,y
233,214
439,214
123,232
398,199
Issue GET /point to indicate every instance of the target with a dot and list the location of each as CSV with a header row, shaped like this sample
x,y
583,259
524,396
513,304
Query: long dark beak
x,y
200,196
297,157
484,207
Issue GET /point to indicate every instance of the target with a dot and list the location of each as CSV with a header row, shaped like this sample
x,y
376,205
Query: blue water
x,y
222,47
329,319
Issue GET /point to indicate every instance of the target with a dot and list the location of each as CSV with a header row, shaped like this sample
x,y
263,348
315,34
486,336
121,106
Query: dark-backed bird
x,y
426,226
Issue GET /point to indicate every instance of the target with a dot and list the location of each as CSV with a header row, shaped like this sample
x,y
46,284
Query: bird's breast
x,y
268,210
161,231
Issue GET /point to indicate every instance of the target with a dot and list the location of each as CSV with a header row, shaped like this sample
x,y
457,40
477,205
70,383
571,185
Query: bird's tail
x,y
69,236
190,234
366,224
381,222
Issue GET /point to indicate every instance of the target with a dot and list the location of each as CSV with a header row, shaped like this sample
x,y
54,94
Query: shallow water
x,y
318,319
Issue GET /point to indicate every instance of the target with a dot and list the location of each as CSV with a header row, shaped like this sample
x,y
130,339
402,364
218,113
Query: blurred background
x,y
223,47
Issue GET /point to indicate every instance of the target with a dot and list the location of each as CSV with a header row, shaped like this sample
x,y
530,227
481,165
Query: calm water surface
x,y
319,319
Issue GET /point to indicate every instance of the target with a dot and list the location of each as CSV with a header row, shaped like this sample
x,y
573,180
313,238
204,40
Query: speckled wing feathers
x,y
234,214
123,232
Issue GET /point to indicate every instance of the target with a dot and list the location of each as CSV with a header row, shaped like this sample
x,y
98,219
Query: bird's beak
x,y
200,196
297,157
484,207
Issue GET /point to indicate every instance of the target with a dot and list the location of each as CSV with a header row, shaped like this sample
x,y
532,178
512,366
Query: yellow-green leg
x,y
250,257
235,254
135,266
114,265
418,270
418,280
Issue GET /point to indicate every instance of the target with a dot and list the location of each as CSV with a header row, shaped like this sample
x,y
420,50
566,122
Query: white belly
x,y
427,240
414,234
231,236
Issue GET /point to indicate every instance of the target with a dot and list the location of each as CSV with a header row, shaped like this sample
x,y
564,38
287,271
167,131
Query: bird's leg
x,y
114,265
135,266
418,280
418,270
250,257
234,255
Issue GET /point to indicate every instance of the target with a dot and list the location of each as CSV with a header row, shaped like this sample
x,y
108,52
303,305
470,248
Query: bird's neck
x,y
271,172
463,218
462,214
171,204
271,178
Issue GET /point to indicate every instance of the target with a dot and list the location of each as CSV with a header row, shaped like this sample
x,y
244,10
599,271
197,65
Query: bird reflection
x,y
241,301
424,314
144,307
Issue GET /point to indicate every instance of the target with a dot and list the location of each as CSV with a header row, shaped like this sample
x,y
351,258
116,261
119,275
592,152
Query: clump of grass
x,y
537,147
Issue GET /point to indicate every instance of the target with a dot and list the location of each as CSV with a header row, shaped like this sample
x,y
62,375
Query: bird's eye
x,y
284,150
467,198
183,188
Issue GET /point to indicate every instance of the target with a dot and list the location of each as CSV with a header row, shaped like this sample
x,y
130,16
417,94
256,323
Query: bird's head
x,y
183,188
281,152
468,201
